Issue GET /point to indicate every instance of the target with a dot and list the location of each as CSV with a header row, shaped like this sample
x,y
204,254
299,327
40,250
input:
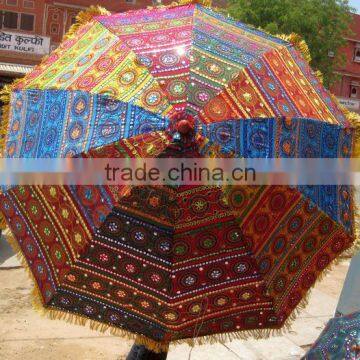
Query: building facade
x,y
30,29
347,88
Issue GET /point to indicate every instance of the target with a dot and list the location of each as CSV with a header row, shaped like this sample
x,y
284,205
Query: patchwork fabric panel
x,y
288,138
59,123
161,257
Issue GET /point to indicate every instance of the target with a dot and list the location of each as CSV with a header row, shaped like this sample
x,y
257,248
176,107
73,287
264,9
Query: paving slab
x,y
69,349
7,257
202,352
275,349
321,304
300,337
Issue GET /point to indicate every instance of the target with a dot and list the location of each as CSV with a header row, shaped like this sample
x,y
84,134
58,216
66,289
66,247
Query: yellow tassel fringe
x,y
320,76
356,219
84,17
2,222
205,3
299,43
5,95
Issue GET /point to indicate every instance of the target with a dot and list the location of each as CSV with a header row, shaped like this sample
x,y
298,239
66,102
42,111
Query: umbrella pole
x,y
141,352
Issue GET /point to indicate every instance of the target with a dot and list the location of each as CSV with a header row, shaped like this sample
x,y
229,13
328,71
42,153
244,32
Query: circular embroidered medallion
x,y
153,98
207,241
127,78
169,59
177,88
188,280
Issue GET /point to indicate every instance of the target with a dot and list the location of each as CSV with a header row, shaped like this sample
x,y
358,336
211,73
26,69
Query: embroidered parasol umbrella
x,y
176,263
339,340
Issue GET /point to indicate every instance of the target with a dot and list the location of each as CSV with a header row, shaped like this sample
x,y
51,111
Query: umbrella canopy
x,y
176,263
339,340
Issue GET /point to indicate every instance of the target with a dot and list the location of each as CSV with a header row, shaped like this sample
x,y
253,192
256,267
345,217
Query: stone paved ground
x,y
25,334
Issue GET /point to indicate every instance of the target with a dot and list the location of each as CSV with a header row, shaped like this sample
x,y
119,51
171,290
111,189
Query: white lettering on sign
x,y
351,104
34,44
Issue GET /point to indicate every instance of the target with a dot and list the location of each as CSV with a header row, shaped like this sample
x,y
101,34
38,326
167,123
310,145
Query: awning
x,y
14,68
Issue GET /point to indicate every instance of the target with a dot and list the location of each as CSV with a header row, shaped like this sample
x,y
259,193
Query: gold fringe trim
x,y
2,222
55,314
19,255
299,43
5,96
76,319
205,3
354,120
356,219
157,347
320,76
84,17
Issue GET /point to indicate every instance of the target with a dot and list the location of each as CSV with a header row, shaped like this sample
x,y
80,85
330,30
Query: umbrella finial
x,y
184,126
183,129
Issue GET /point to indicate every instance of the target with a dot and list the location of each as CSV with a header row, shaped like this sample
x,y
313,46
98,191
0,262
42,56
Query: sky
x,y
355,4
